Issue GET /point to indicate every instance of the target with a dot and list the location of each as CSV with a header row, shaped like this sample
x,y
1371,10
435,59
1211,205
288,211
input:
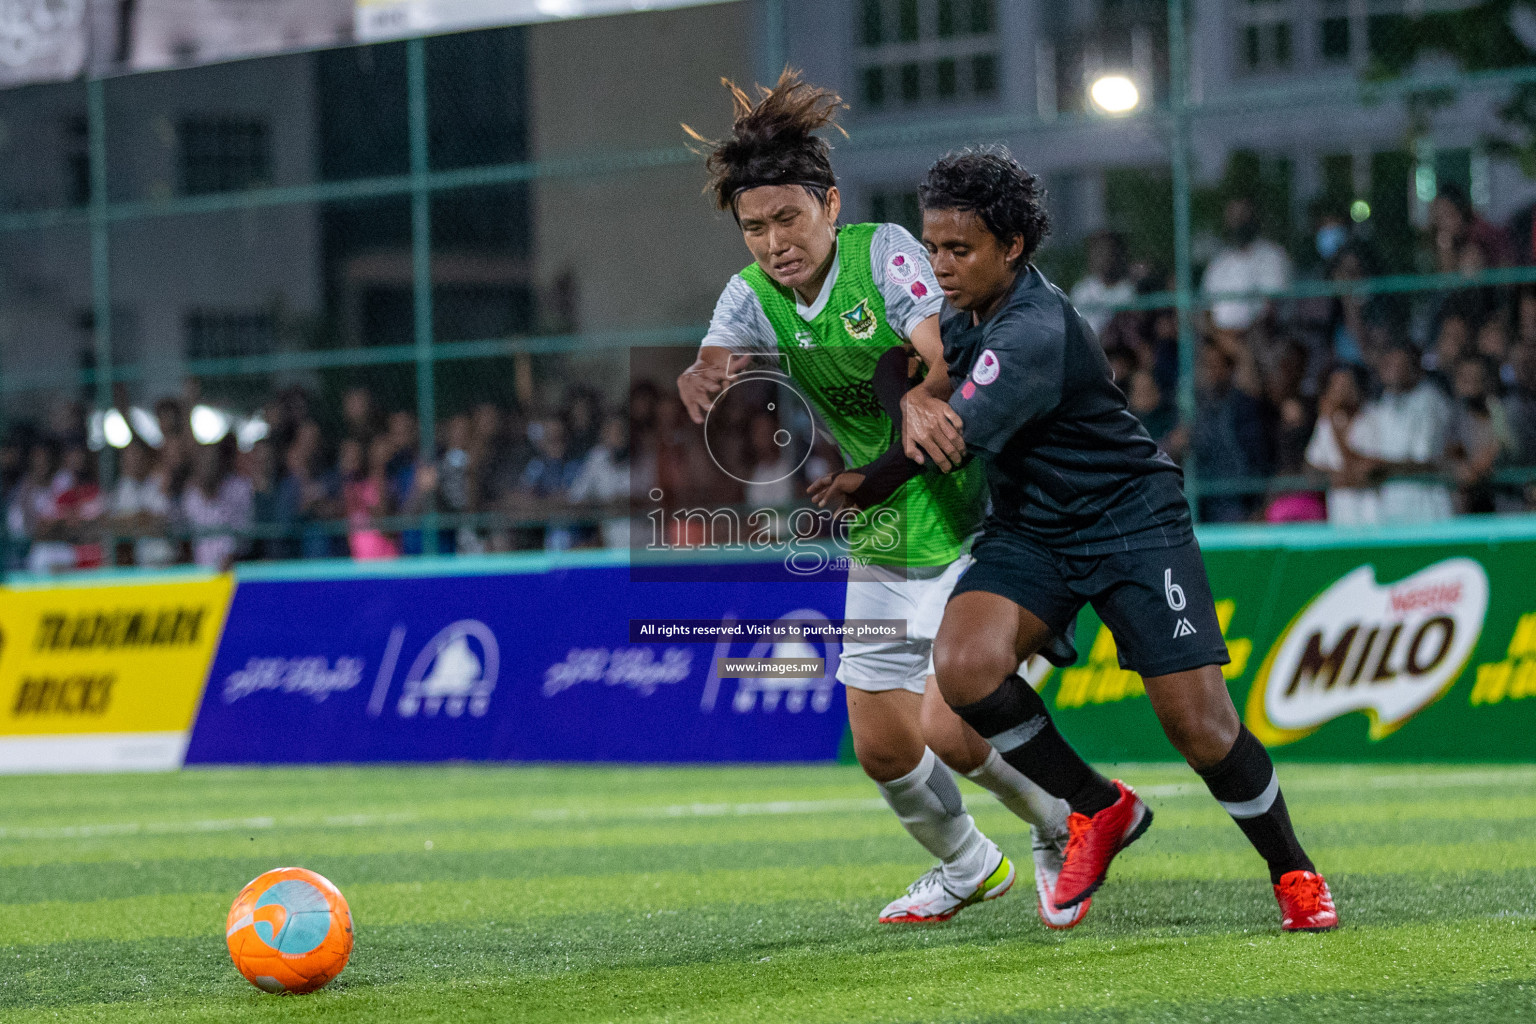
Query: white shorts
x,y
916,595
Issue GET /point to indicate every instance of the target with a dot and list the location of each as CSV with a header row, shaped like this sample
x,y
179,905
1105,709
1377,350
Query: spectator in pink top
x,y
366,493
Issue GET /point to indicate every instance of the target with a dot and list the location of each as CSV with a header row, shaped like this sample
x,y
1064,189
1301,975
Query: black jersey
x,y
1067,462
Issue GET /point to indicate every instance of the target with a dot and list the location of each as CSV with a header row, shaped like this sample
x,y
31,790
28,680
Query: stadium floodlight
x,y
248,432
209,425
146,426
115,429
1115,94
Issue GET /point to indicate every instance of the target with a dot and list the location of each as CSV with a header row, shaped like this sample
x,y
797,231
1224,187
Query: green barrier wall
x,y
1410,645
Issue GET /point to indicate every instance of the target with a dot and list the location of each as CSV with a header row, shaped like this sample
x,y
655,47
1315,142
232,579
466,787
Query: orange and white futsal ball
x,y
289,930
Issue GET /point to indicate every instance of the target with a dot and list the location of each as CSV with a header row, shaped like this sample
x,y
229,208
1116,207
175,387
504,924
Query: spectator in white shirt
x,y
1108,281
1246,263
216,497
141,508
1350,501
1403,434
604,479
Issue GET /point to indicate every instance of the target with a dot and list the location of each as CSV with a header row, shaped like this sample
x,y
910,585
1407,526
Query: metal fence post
x,y
421,273
773,48
1178,103
101,279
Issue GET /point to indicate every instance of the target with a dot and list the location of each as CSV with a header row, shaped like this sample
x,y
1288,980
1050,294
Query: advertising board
x,y
533,666
104,677
1421,652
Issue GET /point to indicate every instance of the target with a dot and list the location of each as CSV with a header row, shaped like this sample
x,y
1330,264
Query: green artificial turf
x,y
750,894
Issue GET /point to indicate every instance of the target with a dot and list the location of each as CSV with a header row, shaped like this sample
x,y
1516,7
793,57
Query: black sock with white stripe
x,y
1013,718
1246,786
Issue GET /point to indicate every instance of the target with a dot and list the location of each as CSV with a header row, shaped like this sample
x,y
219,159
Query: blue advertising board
x,y
536,666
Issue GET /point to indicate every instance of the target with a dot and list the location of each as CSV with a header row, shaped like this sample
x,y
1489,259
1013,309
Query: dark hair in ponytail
x,y
773,140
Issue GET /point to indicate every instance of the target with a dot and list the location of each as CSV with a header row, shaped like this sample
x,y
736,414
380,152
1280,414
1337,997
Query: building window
x,y
224,154
1333,40
1351,31
872,20
874,87
915,52
216,334
77,161
984,74
1264,34
946,82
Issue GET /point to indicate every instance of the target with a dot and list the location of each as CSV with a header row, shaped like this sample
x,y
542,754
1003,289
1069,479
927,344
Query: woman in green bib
x,y
835,308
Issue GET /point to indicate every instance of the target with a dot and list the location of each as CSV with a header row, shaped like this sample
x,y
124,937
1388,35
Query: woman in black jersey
x,y
1085,509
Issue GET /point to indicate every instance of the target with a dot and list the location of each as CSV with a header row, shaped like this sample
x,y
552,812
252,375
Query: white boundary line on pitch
x,y
1397,780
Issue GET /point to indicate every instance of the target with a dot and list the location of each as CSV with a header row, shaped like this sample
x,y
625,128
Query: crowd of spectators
x,y
1359,408
499,481
1365,407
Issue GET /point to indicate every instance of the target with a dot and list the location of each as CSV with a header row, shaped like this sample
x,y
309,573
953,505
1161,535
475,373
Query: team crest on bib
x,y
859,322
987,368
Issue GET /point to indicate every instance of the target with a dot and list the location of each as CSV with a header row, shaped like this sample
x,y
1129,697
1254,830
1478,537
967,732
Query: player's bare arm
x,y
929,427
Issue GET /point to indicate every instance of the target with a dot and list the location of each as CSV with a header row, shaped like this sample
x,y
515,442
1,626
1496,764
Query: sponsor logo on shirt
x,y
805,339
968,390
1387,650
859,321
987,368
919,289
901,268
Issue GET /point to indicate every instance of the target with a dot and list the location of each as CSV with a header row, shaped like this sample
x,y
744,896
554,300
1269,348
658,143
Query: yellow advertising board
x,y
83,667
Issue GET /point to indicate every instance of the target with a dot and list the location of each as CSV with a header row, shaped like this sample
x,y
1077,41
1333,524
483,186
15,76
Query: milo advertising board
x,y
1403,649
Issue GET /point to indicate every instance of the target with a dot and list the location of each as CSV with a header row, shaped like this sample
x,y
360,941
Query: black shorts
x,y
1156,601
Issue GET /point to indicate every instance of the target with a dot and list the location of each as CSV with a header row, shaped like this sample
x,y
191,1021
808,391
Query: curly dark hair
x,y
990,183
772,140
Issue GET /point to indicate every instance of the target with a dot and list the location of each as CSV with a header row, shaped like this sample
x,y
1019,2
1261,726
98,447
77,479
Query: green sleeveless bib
x,y
832,358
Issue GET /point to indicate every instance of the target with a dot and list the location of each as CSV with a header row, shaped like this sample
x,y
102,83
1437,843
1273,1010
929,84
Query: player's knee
x,y
964,668
886,763
1202,735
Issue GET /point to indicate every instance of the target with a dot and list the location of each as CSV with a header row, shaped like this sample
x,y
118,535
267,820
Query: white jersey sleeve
x,y
906,281
739,322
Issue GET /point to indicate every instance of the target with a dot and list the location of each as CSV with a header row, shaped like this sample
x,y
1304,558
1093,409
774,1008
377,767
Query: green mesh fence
x,y
438,254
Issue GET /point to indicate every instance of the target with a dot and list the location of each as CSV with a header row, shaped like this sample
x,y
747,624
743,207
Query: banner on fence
x,y
104,678
1413,652
391,19
526,667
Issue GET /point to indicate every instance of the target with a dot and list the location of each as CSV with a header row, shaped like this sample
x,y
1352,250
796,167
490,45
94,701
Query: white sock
x,y
1021,796
930,808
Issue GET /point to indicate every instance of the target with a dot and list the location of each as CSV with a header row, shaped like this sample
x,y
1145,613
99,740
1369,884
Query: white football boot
x,y
1050,851
935,897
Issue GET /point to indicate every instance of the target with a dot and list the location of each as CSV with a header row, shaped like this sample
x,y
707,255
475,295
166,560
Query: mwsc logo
x,y
455,672
1387,650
